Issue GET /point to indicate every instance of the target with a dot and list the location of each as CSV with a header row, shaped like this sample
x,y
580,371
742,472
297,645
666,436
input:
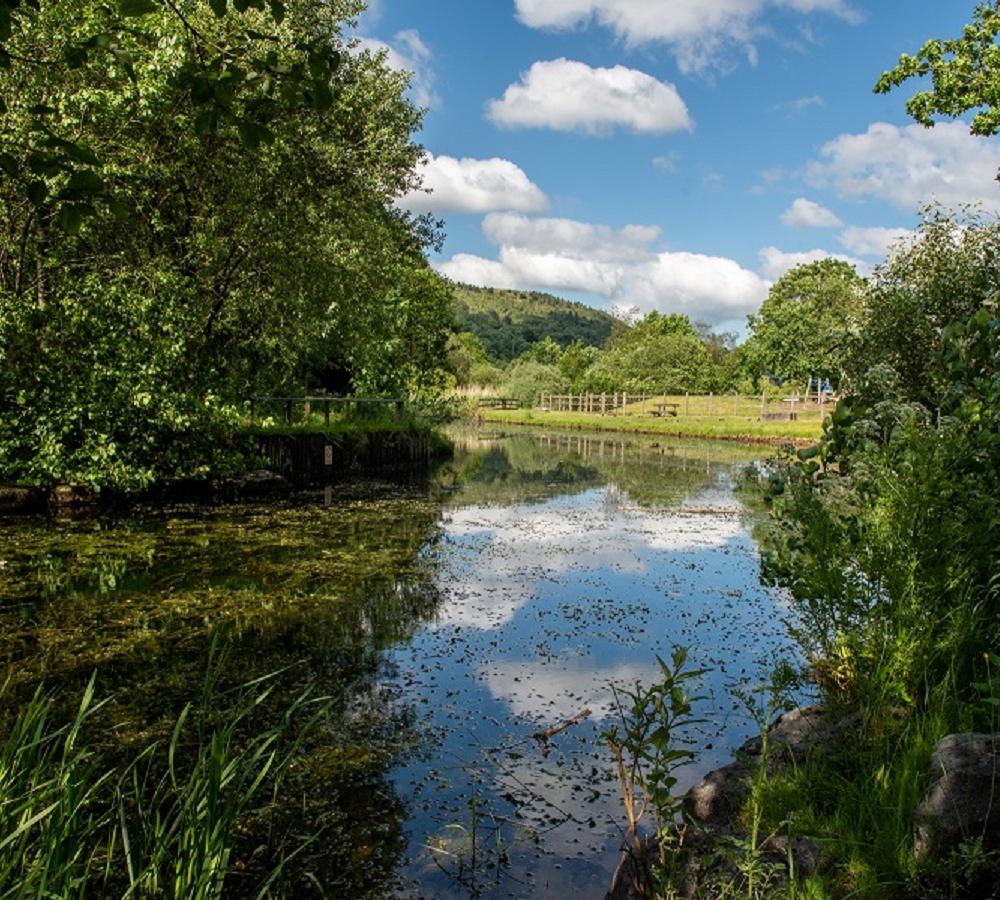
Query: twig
x,y
543,737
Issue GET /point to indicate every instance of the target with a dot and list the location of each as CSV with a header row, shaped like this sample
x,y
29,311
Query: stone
x,y
805,853
803,732
963,796
716,800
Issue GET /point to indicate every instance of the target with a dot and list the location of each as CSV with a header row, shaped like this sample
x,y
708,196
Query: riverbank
x,y
744,429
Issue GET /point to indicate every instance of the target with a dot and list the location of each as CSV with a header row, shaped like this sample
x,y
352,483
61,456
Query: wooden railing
x,y
499,403
326,403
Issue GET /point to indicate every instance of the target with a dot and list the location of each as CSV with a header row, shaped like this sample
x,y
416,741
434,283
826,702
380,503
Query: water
x,y
451,619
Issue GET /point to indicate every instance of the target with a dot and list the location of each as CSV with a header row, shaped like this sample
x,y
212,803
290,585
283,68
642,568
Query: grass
x,y
166,825
725,418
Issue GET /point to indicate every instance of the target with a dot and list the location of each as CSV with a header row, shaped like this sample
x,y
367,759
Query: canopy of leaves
x,y
965,74
802,328
658,355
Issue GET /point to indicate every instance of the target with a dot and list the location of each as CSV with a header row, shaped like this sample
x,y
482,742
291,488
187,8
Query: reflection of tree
x,y
523,467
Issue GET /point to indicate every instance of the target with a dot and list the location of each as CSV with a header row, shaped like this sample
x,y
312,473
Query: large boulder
x,y
809,731
963,797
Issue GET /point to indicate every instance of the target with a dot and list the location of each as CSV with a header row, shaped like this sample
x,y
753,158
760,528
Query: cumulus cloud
x,y
774,262
701,33
911,166
622,265
800,104
474,185
408,53
805,213
566,95
873,241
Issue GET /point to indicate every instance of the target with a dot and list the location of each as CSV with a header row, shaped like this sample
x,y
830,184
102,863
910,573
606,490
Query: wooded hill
x,y
508,322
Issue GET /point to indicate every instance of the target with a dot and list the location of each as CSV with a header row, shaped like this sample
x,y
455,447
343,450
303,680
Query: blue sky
x,y
672,154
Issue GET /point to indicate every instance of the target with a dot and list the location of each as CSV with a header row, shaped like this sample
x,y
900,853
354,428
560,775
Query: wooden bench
x,y
665,409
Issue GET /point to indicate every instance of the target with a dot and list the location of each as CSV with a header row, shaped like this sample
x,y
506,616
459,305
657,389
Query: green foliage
x,y
803,327
464,352
646,743
509,322
527,380
943,276
575,360
965,74
658,355
202,211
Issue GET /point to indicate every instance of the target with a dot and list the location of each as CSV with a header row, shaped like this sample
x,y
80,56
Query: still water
x,y
450,618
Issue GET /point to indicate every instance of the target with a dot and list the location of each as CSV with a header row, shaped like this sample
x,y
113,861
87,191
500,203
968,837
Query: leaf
x,y
70,218
137,7
85,181
37,192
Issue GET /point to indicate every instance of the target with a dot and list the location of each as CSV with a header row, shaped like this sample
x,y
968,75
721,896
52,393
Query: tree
x,y
186,261
463,353
804,324
946,275
658,355
965,74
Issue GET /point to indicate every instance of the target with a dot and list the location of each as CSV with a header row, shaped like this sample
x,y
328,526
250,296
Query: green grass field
x,y
719,417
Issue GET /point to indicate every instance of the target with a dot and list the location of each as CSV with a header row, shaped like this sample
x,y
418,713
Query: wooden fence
x,y
622,403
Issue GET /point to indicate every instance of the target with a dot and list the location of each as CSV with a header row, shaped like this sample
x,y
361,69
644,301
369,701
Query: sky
x,y
676,155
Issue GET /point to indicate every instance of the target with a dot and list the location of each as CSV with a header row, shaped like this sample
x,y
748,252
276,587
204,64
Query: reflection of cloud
x,y
536,691
500,556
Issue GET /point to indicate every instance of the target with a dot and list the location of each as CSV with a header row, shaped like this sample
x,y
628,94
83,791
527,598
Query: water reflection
x,y
449,619
566,564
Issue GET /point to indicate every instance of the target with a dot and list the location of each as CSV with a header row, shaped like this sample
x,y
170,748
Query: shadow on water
x,y
448,619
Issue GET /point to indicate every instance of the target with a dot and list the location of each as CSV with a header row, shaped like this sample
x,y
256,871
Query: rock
x,y
716,799
803,732
15,499
633,879
963,798
805,853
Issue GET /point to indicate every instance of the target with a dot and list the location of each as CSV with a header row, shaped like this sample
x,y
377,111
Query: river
x,y
450,618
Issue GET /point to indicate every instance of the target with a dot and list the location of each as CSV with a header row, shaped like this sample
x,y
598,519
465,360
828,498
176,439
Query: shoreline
x,y
597,423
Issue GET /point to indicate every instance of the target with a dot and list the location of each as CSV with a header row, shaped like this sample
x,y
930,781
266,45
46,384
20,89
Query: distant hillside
x,y
509,322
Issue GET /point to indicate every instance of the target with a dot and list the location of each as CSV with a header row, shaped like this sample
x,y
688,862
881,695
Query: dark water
x,y
450,618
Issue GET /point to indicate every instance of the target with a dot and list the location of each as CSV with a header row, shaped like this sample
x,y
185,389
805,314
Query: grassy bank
x,y
726,426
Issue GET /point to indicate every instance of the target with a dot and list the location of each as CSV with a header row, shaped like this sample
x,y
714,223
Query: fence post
x,y
398,405
306,410
604,403
624,403
711,396
687,403
288,412
763,403
326,413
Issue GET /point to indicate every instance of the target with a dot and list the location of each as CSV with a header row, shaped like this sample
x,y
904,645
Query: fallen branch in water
x,y
543,737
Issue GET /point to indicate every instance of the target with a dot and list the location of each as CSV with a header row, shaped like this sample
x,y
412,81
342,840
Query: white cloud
x,y
912,166
805,213
621,265
408,53
701,33
571,96
667,163
775,262
800,104
474,185
873,241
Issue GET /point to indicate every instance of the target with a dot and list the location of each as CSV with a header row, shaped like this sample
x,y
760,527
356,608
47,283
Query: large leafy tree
x,y
197,198
659,354
804,325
